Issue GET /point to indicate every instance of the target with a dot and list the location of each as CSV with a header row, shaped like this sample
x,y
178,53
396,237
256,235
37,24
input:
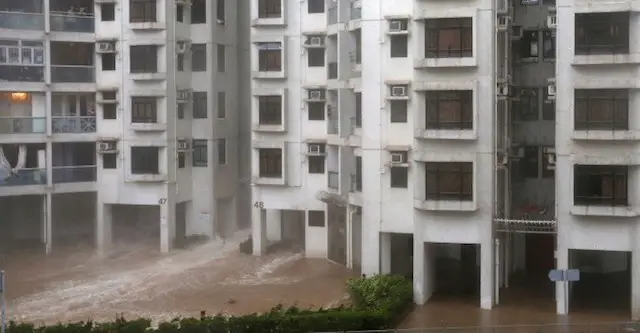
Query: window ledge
x,y
148,127
269,22
269,128
269,181
445,205
148,76
445,134
604,135
148,178
606,59
147,26
606,211
355,198
269,75
445,62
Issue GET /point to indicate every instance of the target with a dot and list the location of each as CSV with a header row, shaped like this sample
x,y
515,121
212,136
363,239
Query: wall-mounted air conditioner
x,y
315,149
552,21
398,158
550,155
316,95
315,41
182,145
106,47
397,26
398,91
503,22
107,147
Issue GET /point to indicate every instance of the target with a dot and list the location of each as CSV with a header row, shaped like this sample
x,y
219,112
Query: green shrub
x,y
378,301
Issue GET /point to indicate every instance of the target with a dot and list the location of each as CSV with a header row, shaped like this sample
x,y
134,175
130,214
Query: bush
x,y
377,304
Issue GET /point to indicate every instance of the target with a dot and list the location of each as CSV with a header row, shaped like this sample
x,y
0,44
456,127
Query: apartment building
x,y
117,121
473,145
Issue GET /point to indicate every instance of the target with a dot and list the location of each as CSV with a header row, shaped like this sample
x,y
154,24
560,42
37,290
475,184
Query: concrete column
x,y
167,223
258,231
385,253
104,227
274,224
562,262
419,270
48,224
487,270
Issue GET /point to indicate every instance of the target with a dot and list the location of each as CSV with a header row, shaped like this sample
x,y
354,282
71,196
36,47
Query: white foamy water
x,y
263,274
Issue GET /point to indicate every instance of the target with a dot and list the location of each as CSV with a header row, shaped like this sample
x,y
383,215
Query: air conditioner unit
x,y
550,155
184,95
181,47
107,147
398,91
316,41
503,90
183,145
106,47
552,21
396,26
503,22
315,149
551,90
315,95
397,158
516,32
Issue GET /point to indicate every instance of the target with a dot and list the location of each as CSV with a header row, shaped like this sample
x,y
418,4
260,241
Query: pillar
x,y
562,262
258,230
274,224
104,227
167,223
48,224
487,270
419,279
385,253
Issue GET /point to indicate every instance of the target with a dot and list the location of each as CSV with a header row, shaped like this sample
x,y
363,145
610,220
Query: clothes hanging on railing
x,y
22,159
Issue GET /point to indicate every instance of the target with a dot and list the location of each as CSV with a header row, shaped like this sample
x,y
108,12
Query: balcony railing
x,y
332,15
22,21
333,180
23,125
73,124
72,23
74,174
21,73
24,177
73,74
333,70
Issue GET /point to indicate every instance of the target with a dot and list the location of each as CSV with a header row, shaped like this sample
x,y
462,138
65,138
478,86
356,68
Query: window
x,y
356,181
316,162
449,109
141,11
222,58
399,176
449,181
601,109
270,162
604,185
602,33
180,110
198,11
270,57
198,57
182,160
21,52
548,170
548,44
144,59
179,13
109,161
200,101
145,160
315,57
144,110
180,62
548,107
529,2
399,46
109,111
358,110
220,11
200,155
108,12
316,110
315,6
222,105
530,163
270,110
316,218
525,107
529,45
449,38
269,8
222,151
549,2
108,61
399,111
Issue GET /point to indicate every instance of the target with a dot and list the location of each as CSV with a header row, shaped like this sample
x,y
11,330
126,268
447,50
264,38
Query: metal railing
x,y
73,74
21,73
618,327
23,125
21,21
72,23
25,177
73,124
74,174
332,15
333,180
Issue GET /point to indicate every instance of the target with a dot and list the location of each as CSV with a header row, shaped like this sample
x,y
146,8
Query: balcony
x,y
73,74
21,21
19,73
77,22
333,180
73,124
72,62
74,174
25,177
23,125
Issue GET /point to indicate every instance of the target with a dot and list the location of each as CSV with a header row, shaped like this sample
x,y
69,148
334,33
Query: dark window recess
x,y
449,109
399,46
198,11
108,12
109,161
270,162
399,176
143,59
200,153
270,110
222,58
529,44
315,57
601,109
182,160
449,38
144,110
222,105
548,44
180,13
145,160
269,8
108,61
200,105
220,11
549,2
142,11
315,6
548,107
399,111
222,151
316,164
358,110
602,33
109,111
180,62
357,186
530,163
525,107
270,57
316,110
199,57
316,218
180,110
449,181
601,185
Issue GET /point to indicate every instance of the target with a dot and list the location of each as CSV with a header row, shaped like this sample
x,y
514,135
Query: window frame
x,y
316,111
399,46
316,218
222,151
316,164
109,161
270,57
399,171
526,106
438,172
199,57
588,102
270,109
140,59
269,9
270,162
316,57
145,160
198,12
436,26
464,100
582,173
143,11
144,110
200,104
200,155
111,10
316,6
586,29
221,61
